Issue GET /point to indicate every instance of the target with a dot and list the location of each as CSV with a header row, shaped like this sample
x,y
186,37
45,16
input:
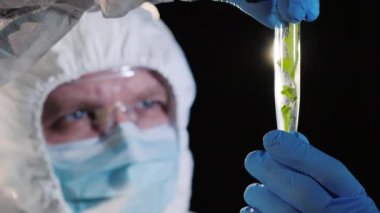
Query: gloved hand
x,y
273,13
296,177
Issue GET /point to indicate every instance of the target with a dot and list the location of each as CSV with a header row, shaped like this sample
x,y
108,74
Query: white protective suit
x,y
27,183
28,28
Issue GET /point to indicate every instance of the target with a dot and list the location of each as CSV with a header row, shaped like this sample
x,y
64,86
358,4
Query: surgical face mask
x,y
136,166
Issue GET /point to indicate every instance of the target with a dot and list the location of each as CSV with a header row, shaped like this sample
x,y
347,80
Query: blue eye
x,y
146,104
76,116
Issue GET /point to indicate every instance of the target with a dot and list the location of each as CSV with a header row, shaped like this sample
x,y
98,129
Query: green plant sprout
x,y
287,76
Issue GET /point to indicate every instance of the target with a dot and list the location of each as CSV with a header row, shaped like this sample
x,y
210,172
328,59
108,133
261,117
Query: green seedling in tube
x,y
287,76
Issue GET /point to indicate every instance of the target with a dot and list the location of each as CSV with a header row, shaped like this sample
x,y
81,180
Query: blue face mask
x,y
136,166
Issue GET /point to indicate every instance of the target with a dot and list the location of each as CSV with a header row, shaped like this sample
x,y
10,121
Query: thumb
x,y
293,150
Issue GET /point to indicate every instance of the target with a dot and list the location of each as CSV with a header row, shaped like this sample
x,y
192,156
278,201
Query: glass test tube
x,y
287,57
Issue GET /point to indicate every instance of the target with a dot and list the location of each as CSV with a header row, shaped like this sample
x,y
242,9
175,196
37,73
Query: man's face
x,y
94,104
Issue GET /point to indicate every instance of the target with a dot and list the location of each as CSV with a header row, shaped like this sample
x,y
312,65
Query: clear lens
x,y
94,104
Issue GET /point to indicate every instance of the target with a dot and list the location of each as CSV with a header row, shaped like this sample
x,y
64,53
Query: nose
x,y
108,118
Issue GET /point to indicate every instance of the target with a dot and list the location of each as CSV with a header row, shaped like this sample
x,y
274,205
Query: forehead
x,y
105,83
103,89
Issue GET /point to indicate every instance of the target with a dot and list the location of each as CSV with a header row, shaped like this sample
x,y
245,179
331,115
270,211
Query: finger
x,y
264,11
300,137
259,197
291,150
292,10
296,189
312,11
255,1
249,209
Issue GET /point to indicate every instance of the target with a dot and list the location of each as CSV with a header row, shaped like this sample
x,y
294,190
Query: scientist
x,y
309,180
99,123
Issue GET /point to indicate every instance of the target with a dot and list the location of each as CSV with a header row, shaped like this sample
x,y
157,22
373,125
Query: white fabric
x,y
27,182
28,28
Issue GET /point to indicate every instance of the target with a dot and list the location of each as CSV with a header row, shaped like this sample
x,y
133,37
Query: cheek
x,y
54,135
152,118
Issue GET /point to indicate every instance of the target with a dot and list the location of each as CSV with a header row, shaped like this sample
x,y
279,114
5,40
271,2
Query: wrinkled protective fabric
x,y
28,28
27,182
26,35
297,177
140,165
273,13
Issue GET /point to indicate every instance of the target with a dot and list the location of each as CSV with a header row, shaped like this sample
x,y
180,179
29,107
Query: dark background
x,y
228,53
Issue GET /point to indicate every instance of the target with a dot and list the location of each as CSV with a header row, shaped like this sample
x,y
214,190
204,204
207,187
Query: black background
x,y
229,54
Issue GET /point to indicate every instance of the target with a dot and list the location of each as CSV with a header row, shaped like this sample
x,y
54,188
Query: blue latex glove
x,y
296,177
273,13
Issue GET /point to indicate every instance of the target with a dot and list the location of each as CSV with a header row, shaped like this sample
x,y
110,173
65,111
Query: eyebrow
x,y
59,107
154,91
56,107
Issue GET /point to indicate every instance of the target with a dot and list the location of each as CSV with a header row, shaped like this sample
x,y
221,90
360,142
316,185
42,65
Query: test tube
x,y
287,57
